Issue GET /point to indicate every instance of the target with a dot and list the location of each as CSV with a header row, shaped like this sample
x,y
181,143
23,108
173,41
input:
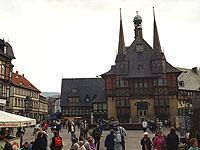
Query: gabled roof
x,y
21,81
92,88
140,59
190,78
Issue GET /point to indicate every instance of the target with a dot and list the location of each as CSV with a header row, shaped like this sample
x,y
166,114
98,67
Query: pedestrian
x,y
30,145
165,121
56,142
169,123
81,128
123,132
7,146
159,142
25,146
71,129
146,142
75,145
87,144
85,129
194,144
92,146
39,143
101,128
81,144
172,140
45,136
51,135
109,141
117,139
97,136
144,125
20,134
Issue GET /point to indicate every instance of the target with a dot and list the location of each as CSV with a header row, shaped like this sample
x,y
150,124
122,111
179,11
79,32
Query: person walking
x,y
146,142
97,136
20,133
159,142
39,143
56,142
194,144
144,125
7,146
81,144
117,139
85,129
172,140
123,132
71,129
109,141
25,146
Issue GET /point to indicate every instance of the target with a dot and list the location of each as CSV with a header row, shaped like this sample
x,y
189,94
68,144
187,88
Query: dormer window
x,y
21,83
74,90
181,83
5,49
30,85
17,77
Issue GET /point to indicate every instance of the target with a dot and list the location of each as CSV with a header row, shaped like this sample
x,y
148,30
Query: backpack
x,y
58,141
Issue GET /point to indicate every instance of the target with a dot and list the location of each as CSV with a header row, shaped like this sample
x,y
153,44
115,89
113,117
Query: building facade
x,y
189,87
43,108
141,84
84,98
6,67
24,97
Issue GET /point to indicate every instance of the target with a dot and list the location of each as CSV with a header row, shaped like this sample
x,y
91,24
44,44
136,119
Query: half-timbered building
x,y
6,67
141,84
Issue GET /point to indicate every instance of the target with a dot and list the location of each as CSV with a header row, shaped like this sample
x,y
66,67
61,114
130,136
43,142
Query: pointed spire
x,y
156,41
121,44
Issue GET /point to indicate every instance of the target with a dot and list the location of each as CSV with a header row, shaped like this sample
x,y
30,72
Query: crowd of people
x,y
90,136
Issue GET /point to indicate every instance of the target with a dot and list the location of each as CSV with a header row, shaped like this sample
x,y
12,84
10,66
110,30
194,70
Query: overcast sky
x,y
55,39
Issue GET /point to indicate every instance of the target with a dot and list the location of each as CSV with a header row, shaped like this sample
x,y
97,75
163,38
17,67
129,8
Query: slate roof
x,y
94,88
9,50
137,59
190,79
21,81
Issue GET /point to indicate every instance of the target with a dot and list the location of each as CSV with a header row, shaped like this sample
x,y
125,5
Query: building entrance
x,y
142,110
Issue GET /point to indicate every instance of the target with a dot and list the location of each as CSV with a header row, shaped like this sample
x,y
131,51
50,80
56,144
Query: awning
x,y
12,120
72,117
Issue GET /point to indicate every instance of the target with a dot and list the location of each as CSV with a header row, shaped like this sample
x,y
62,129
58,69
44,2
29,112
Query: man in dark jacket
x,y
172,140
109,142
97,136
7,146
39,143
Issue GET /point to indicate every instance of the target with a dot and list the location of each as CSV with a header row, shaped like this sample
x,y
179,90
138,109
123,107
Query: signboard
x,y
15,144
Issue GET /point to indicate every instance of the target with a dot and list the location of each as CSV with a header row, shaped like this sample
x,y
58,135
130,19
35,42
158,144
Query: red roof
x,y
21,81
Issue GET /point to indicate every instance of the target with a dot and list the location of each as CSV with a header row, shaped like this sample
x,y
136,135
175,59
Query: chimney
x,y
16,72
23,75
195,70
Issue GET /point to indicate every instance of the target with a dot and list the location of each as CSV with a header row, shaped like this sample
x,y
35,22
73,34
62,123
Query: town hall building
x,y
141,84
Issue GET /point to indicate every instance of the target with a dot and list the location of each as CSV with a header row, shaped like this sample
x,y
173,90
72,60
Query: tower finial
x,y
120,14
136,12
153,13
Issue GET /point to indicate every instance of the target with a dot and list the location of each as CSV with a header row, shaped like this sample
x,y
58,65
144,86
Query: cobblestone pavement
x,y
132,140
